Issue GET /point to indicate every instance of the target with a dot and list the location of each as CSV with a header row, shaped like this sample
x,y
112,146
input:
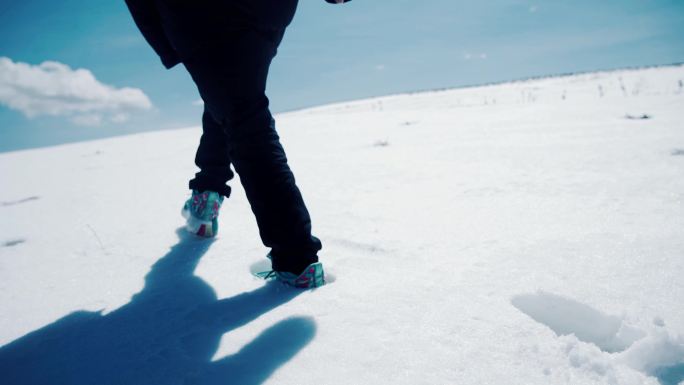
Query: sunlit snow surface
x,y
522,233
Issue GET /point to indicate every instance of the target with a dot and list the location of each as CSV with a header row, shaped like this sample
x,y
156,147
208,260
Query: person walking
x,y
227,47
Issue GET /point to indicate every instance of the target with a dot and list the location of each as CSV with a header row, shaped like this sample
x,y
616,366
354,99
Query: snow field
x,y
522,233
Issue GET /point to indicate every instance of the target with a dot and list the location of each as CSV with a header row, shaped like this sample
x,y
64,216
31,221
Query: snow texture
x,y
521,233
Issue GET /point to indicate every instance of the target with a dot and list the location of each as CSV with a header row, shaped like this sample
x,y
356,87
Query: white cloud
x,y
380,67
119,117
533,9
198,103
87,119
470,56
54,89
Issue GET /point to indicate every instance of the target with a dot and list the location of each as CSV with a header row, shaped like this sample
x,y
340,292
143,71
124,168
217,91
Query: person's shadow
x,y
167,334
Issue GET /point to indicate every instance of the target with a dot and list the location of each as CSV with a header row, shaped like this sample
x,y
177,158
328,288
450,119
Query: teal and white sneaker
x,y
201,212
313,276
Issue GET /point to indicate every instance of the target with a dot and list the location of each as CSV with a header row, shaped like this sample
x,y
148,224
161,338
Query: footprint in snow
x,y
655,353
566,316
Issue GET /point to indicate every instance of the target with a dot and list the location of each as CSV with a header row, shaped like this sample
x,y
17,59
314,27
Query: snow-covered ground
x,y
522,233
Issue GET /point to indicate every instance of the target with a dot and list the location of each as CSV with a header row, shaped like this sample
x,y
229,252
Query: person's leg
x,y
212,158
230,74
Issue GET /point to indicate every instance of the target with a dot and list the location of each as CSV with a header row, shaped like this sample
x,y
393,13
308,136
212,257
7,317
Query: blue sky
x,y
330,53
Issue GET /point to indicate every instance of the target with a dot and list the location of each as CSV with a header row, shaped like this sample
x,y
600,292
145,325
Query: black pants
x,y
229,62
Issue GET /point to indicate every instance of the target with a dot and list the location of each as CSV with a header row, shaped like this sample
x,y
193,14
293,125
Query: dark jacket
x,y
148,18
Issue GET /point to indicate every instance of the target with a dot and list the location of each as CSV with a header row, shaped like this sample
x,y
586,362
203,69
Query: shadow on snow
x,y
167,334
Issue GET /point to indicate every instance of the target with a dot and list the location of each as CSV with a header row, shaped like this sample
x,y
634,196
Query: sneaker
x,y
313,276
201,212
